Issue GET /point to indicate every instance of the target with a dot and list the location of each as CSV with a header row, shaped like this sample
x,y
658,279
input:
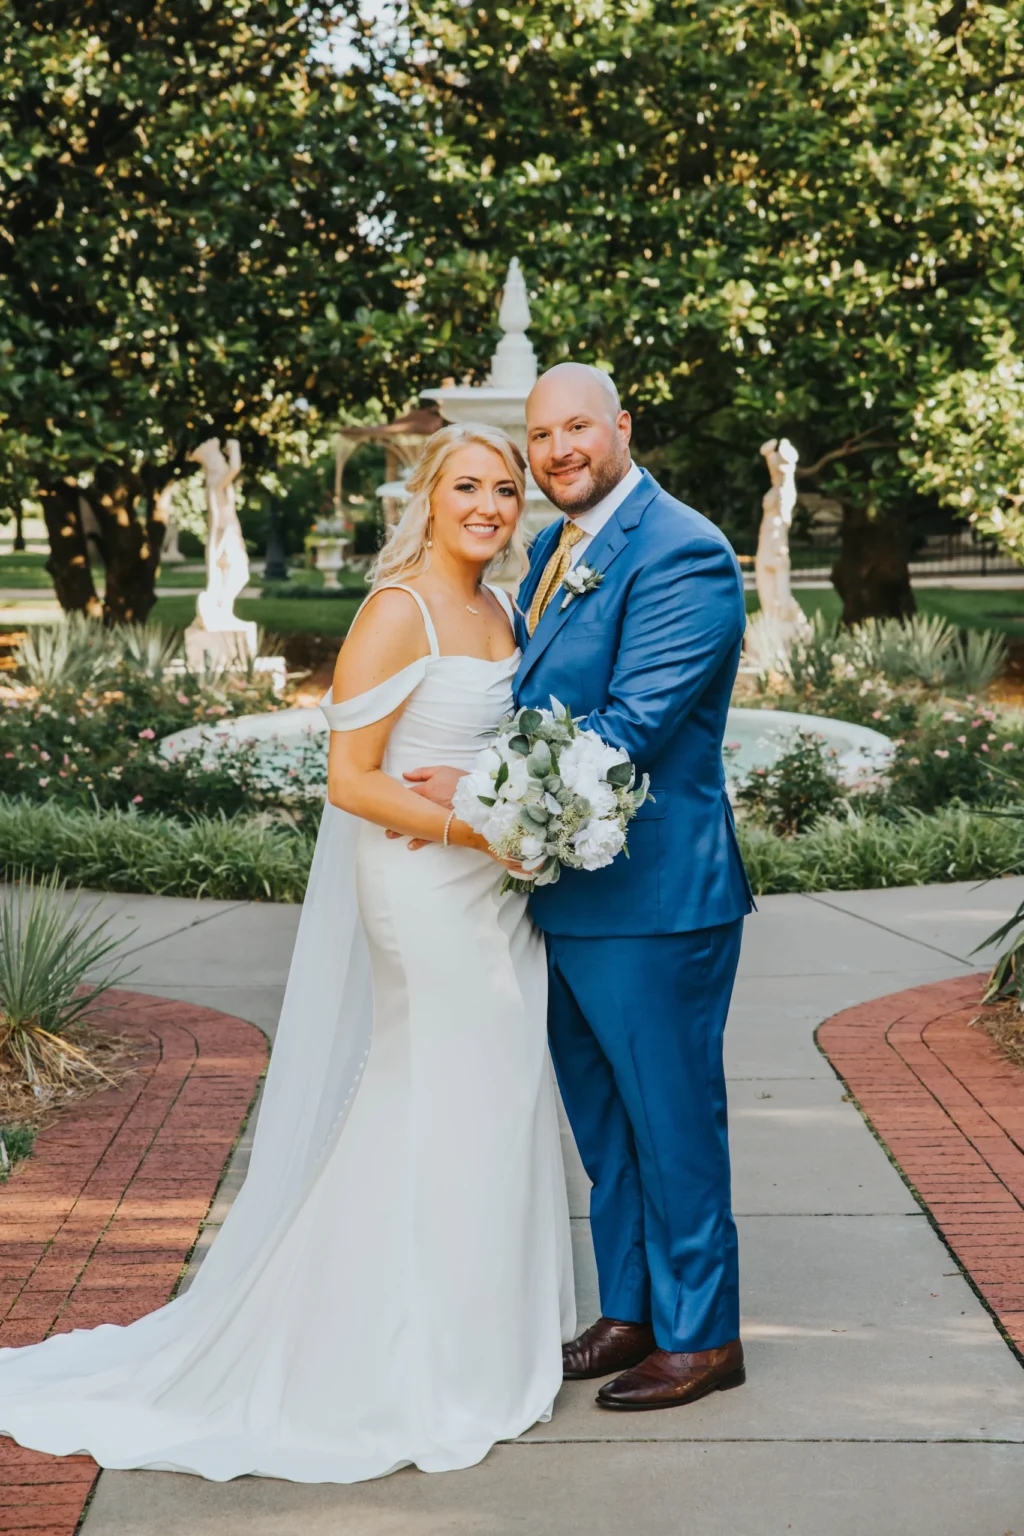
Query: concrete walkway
x,y
880,1397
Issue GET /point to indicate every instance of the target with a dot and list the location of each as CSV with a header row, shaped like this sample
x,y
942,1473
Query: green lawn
x,y
989,608
1000,609
277,615
21,569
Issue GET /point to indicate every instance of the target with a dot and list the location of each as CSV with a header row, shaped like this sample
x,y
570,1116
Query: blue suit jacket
x,y
649,659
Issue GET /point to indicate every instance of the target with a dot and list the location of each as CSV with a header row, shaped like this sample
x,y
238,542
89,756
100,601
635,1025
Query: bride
x,y
393,1283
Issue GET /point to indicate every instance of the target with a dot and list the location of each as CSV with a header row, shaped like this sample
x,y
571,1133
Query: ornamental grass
x,y
55,964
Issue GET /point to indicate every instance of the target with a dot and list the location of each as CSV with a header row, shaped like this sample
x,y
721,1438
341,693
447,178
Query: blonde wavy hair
x,y
406,552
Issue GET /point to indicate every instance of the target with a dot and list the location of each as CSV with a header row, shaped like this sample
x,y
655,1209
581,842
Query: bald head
x,y
577,382
578,436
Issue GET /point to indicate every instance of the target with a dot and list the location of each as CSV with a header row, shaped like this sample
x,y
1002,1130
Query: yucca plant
x,y
71,654
812,659
48,949
917,649
146,649
976,660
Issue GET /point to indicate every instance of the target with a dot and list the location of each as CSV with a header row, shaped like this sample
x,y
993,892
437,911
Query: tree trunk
x,y
69,554
872,575
131,544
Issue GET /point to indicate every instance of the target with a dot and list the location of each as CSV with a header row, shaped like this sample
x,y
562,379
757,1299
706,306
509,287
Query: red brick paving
x,y
950,1108
97,1225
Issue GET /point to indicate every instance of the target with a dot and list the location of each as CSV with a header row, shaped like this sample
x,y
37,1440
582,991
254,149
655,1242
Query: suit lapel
x,y
605,547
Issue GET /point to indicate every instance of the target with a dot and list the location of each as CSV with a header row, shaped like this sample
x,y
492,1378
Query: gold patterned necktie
x,y
554,571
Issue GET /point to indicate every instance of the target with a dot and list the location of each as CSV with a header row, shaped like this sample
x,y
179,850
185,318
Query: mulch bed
x,y
97,1226
1004,1023
949,1106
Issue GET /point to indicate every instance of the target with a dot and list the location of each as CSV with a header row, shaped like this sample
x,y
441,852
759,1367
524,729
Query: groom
x,y
642,954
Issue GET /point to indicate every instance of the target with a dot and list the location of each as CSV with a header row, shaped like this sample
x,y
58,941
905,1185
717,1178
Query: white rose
x,y
519,778
588,754
598,842
600,795
531,847
466,801
499,820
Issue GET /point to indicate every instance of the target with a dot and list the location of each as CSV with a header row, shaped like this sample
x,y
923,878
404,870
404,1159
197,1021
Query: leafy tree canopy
x,y
764,219
187,191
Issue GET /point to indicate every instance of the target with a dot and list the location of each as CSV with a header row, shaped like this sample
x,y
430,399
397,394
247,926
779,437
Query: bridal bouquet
x,y
548,795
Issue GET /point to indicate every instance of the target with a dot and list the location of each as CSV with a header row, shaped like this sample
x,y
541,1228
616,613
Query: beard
x,y
604,477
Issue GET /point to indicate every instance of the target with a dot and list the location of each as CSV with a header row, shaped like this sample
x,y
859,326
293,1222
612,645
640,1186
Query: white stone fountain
x,y
501,402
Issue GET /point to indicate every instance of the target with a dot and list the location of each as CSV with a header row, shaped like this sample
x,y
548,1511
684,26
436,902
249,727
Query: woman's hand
x,y
461,835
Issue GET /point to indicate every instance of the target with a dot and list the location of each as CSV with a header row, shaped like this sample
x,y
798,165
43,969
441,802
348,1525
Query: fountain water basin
x,y
285,739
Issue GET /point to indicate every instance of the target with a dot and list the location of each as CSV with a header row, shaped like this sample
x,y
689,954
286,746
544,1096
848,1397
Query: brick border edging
x,y
949,1108
97,1226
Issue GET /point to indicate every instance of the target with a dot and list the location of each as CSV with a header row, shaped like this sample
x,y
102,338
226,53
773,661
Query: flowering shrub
x,y
800,787
100,748
966,755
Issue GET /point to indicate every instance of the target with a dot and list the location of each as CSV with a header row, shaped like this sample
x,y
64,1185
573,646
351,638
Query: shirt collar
x,y
593,520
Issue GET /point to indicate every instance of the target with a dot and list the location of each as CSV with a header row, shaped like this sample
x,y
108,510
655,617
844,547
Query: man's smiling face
x,y
577,437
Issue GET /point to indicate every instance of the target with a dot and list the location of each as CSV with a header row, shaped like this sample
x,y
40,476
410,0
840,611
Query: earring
x,y
430,529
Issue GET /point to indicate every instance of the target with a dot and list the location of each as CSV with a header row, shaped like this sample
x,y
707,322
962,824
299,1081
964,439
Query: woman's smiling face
x,y
474,507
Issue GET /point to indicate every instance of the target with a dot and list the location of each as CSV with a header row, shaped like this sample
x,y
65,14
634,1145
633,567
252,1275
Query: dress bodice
x,y
453,702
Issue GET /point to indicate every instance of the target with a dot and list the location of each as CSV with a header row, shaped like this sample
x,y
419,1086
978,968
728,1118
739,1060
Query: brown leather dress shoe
x,y
605,1347
667,1380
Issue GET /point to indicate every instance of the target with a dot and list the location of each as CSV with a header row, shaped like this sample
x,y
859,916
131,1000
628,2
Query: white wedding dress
x,y
393,1283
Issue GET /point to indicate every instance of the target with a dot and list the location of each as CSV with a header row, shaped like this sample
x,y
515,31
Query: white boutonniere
x,y
579,580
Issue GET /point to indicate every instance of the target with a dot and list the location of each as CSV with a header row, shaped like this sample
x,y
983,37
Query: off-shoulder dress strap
x,y
428,623
505,601
377,703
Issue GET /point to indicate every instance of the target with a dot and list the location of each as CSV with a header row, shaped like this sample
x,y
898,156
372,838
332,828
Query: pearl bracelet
x,y
447,827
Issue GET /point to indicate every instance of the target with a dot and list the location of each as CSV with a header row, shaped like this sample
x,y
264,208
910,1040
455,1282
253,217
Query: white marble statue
x,y
771,566
227,563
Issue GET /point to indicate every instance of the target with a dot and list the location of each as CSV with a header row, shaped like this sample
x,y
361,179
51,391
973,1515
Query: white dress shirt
x,y
593,520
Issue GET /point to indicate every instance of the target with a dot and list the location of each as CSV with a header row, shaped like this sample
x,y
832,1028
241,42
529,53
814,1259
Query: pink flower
x,y
44,757
962,740
148,734
984,746
43,783
915,762
182,698
1007,746
136,800
62,774
876,714
941,752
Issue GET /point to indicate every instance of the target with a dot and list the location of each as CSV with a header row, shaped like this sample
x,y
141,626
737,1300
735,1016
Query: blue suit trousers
x,y
636,1028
